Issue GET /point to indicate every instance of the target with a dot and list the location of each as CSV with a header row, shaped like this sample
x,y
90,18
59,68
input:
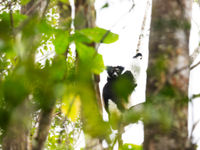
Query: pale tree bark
x,y
85,17
168,54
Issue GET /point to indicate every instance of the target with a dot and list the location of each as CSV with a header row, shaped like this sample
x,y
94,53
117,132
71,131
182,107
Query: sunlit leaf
x,y
79,37
58,68
99,35
85,52
45,28
65,1
98,64
92,60
61,41
71,106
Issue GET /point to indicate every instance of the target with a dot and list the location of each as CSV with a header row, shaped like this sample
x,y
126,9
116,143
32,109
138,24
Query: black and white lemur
x,y
119,86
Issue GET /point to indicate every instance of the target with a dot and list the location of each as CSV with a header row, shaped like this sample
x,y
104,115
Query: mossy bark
x,y
168,71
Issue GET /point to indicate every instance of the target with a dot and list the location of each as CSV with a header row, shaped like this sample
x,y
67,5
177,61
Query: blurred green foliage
x,y
50,81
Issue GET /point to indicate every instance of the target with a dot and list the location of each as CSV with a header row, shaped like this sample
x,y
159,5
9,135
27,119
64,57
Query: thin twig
x,y
29,18
102,39
181,69
122,17
186,67
11,18
105,35
195,96
143,27
194,54
193,128
109,30
45,56
115,141
194,66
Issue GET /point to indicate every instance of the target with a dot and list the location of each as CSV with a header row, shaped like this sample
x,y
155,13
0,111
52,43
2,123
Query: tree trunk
x,y
168,75
17,133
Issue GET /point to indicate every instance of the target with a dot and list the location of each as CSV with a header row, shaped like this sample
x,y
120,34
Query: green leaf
x,y
106,5
6,40
18,18
99,35
90,58
58,68
45,28
85,53
65,1
61,41
81,38
98,64
24,2
71,106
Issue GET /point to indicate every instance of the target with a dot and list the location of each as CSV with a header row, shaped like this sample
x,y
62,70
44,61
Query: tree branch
x,y
33,8
11,18
43,129
194,66
194,54
143,27
109,30
186,67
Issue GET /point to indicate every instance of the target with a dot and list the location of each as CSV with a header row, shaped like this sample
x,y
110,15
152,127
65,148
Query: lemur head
x,y
114,72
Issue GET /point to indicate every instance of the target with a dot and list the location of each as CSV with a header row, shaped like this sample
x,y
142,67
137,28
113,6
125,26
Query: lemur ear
x,y
120,68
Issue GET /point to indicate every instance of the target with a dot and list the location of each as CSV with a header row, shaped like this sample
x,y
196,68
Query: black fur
x,y
138,55
118,87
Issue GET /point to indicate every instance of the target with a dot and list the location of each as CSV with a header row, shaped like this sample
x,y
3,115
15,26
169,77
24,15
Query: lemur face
x,y
114,72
